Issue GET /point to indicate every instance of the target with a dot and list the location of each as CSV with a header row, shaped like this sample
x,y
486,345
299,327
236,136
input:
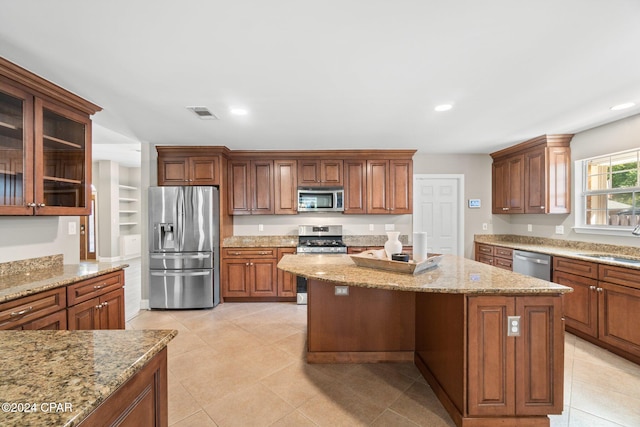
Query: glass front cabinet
x,y
45,148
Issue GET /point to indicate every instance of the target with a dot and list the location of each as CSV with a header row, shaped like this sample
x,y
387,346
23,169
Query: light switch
x,y
72,228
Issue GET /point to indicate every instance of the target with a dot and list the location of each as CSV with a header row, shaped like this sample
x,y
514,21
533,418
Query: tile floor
x,y
242,364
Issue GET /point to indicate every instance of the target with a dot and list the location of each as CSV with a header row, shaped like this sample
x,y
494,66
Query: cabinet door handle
x,y
41,205
250,263
104,304
31,205
21,312
592,288
99,306
599,289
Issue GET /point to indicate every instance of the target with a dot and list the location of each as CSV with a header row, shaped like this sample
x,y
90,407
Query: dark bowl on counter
x,y
400,257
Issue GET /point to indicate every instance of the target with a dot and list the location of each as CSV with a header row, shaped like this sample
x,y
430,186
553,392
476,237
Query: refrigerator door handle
x,y
180,256
180,219
180,273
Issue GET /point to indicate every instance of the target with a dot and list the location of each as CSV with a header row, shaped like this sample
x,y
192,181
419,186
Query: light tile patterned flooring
x,y
242,364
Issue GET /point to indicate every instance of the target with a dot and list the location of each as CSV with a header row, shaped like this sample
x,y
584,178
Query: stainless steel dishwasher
x,y
532,264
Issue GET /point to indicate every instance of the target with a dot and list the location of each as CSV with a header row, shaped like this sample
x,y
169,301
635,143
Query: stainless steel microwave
x,y
320,199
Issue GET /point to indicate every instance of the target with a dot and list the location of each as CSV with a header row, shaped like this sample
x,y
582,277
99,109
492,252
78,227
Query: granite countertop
x,y
291,241
564,248
454,274
79,369
41,274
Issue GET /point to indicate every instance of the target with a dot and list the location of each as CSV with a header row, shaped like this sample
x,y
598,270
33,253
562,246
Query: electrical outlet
x,y
559,229
389,227
260,227
484,226
72,228
341,291
529,227
513,326
370,227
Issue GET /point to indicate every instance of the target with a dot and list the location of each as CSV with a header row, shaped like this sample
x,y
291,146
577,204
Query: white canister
x,y
420,246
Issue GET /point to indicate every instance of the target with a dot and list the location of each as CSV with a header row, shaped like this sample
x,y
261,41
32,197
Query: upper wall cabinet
x,y
533,177
190,165
390,187
251,187
45,146
327,173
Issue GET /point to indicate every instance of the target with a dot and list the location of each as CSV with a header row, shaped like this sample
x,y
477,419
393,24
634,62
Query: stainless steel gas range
x,y
320,239
317,239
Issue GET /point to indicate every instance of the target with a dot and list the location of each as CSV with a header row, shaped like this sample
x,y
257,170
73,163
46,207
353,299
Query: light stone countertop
x,y
77,368
291,241
18,285
565,248
454,274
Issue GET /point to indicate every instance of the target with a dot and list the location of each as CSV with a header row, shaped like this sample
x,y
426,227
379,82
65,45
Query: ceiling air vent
x,y
203,113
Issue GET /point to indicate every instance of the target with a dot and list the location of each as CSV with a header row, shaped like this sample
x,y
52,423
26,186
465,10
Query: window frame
x,y
581,193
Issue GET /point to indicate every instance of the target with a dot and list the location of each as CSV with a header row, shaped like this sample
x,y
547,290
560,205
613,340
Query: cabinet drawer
x,y
486,259
619,275
574,266
507,264
485,249
249,253
96,286
23,310
506,253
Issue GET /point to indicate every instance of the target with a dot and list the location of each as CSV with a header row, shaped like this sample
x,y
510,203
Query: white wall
x,y
32,237
476,169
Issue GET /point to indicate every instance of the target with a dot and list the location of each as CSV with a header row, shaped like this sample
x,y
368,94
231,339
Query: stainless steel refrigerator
x,y
183,247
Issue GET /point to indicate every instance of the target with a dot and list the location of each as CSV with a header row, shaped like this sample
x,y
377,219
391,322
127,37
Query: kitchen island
x,y
76,378
489,342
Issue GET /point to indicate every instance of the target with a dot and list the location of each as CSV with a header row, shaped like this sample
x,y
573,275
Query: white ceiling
x,y
333,74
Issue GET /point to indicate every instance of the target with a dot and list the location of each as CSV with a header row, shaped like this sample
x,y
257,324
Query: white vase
x,y
393,245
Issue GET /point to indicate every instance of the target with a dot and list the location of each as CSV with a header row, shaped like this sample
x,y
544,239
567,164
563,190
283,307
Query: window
x,y
611,191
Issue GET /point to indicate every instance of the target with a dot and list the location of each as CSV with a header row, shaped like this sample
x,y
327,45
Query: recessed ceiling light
x,y
623,106
443,107
203,113
238,111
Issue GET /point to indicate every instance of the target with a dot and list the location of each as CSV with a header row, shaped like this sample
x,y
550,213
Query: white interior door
x,y
437,209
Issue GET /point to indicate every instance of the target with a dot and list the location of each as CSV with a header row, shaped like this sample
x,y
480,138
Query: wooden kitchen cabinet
x,y
287,282
508,185
504,366
604,307
34,311
389,187
196,170
285,187
355,187
249,272
494,255
97,303
251,187
45,145
142,401
533,177
325,172
581,305
104,312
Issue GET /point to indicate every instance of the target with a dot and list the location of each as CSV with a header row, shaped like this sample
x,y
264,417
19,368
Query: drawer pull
x,y
98,287
21,312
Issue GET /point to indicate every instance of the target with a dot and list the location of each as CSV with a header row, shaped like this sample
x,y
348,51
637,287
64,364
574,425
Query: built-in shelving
x,y
128,211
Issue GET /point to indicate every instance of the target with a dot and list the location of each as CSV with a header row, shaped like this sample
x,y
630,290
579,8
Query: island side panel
x,y
440,347
368,325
